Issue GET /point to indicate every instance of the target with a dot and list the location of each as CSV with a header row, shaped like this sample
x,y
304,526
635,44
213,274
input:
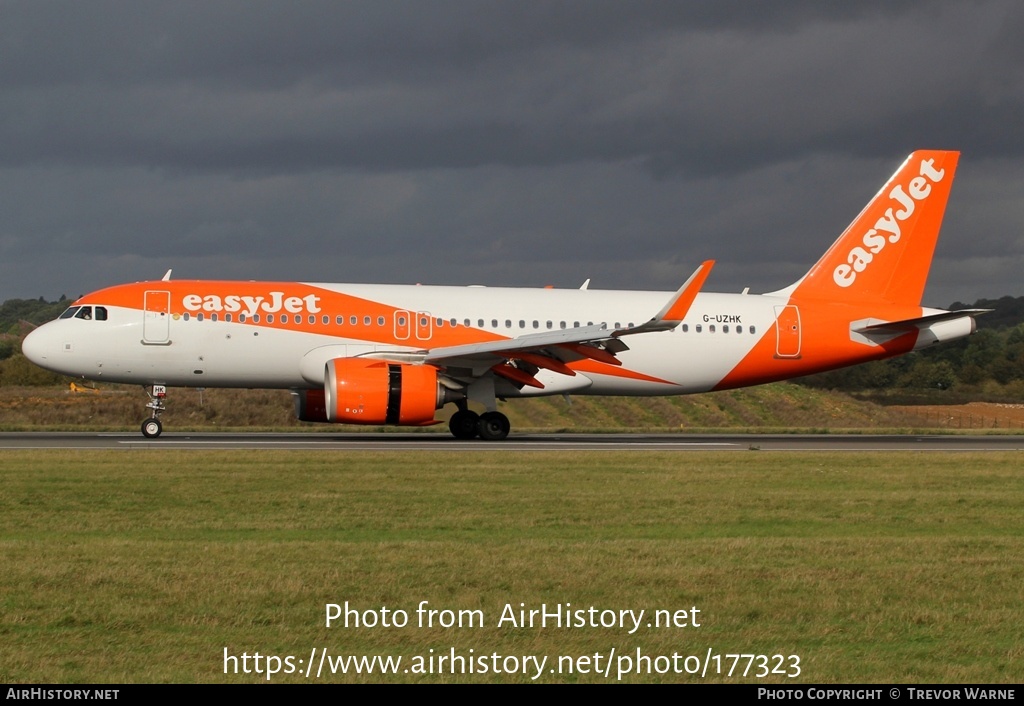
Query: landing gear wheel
x,y
493,426
152,428
464,424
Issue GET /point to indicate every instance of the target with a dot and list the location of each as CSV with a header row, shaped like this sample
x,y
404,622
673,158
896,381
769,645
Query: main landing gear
x,y
152,428
489,426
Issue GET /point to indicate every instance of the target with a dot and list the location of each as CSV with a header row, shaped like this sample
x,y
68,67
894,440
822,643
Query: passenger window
x,y
326,319
366,321
353,320
494,323
270,318
698,329
725,329
711,328
339,320
186,316
686,328
227,317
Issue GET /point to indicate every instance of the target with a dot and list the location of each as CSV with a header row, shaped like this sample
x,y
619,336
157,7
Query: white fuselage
x,y
717,333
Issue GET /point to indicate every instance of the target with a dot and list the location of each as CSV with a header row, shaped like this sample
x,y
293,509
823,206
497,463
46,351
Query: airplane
x,y
395,354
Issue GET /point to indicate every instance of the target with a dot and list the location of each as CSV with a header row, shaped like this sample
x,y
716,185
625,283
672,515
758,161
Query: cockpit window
x,y
86,313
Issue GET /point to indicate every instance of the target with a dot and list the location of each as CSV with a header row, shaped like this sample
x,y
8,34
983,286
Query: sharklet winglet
x,y
673,313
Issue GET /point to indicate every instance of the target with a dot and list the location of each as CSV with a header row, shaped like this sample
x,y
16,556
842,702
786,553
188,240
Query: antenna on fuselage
x,y
167,276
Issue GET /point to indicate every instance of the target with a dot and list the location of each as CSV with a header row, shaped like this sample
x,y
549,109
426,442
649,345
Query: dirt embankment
x,y
974,415
776,406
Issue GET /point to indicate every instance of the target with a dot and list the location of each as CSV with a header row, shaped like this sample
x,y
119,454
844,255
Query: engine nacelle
x,y
370,391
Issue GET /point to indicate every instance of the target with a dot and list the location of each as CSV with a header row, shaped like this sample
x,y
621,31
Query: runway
x,y
518,442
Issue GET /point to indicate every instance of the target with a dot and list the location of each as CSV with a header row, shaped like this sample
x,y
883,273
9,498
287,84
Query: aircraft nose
x,y
36,346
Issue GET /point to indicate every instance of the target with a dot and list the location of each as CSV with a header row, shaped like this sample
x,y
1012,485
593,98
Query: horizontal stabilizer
x,y
920,322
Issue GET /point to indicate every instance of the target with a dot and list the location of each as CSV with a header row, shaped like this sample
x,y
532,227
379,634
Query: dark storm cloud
x,y
504,142
271,86
274,43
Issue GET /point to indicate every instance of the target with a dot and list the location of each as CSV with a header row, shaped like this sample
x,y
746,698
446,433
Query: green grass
x,y
143,566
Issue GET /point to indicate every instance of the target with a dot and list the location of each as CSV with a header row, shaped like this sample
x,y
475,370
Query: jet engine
x,y
371,391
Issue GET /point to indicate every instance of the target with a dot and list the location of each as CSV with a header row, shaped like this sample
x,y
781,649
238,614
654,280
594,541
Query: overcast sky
x,y
521,143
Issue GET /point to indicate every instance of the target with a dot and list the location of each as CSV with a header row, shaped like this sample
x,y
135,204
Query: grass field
x,y
145,566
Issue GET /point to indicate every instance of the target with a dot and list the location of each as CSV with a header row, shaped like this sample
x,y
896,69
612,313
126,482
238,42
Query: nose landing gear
x,y
152,428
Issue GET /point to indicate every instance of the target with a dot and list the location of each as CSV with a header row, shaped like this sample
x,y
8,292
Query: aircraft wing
x,y
518,359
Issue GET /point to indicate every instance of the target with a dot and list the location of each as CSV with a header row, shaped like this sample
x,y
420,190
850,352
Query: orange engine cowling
x,y
370,391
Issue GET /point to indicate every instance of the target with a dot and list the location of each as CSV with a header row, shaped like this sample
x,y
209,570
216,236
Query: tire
x,y
152,428
464,424
493,426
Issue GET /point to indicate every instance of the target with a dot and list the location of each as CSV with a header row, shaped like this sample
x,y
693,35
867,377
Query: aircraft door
x,y
787,332
156,321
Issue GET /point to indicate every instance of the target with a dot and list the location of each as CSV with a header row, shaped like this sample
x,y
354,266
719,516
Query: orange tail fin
x,y
885,254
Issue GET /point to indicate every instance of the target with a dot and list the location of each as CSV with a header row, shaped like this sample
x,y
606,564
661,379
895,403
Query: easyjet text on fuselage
x,y
272,303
